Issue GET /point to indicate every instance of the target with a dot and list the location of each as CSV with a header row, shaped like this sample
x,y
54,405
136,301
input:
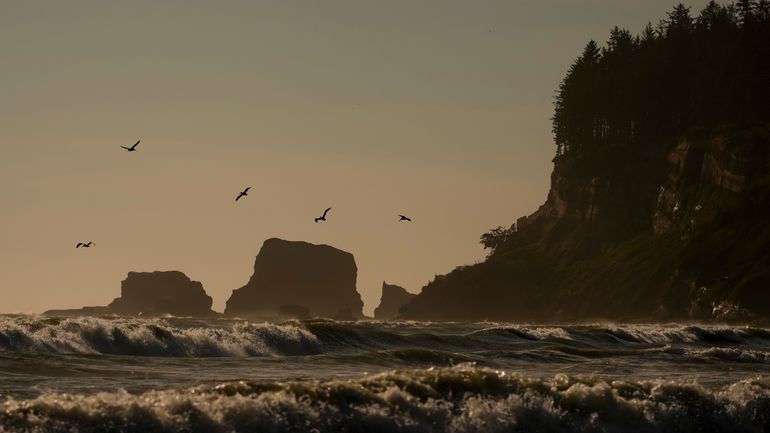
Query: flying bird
x,y
244,192
323,217
404,218
132,148
84,244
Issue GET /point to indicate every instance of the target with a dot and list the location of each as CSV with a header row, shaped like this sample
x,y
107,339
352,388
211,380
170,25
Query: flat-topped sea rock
x,y
152,294
320,278
161,292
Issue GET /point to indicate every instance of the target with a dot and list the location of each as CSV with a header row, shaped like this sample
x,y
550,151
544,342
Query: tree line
x,y
686,72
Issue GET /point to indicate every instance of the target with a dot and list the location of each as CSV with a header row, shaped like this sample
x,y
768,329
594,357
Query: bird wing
x,y
136,144
239,196
247,189
80,244
326,211
127,148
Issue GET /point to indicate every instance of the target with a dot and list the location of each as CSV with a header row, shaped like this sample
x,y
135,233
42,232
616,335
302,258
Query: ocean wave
x,y
151,337
190,338
631,334
457,399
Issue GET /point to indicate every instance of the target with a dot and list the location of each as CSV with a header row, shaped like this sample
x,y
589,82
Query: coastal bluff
x,y
320,278
393,298
152,294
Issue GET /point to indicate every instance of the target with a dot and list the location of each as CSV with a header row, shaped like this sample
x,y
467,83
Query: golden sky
x,y
437,109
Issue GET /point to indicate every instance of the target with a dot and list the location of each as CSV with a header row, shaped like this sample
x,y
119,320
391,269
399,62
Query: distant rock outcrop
x,y
393,298
152,294
170,292
318,277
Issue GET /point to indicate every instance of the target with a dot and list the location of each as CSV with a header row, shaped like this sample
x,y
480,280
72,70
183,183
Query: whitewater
x,y
114,374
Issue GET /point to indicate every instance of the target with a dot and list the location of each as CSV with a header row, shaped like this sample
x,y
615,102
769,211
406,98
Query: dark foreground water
x,y
148,375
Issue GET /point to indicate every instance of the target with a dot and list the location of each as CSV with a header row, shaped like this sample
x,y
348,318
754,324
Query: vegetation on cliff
x,y
686,72
659,188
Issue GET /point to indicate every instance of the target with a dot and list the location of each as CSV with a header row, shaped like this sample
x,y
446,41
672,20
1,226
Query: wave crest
x,y
151,337
457,399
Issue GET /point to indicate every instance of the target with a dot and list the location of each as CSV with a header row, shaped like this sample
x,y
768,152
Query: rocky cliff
x,y
644,232
152,294
318,277
393,298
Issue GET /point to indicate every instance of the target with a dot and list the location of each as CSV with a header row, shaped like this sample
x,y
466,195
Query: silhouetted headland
x,y
660,187
320,278
393,298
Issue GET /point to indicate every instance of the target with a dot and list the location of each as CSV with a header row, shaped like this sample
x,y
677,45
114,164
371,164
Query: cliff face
x,y
631,233
169,292
318,277
393,298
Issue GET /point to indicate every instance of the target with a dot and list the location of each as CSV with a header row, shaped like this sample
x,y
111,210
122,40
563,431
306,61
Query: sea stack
x,y
161,292
320,278
393,298
152,294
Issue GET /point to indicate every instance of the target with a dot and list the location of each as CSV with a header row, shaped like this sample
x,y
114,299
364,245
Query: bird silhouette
x,y
404,218
84,244
323,217
244,192
132,148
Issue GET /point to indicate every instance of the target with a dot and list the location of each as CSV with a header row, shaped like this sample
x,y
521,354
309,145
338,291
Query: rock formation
x,y
318,277
630,233
152,294
393,298
170,292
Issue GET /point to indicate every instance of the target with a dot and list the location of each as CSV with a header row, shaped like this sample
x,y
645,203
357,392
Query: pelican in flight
x,y
323,217
132,148
404,218
84,244
244,192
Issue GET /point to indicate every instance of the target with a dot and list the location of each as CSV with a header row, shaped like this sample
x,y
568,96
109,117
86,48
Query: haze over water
x,y
438,110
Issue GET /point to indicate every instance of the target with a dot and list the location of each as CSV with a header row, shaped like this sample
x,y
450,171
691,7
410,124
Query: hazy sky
x,y
436,109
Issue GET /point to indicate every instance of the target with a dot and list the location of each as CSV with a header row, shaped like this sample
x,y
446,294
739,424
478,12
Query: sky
x,y
436,109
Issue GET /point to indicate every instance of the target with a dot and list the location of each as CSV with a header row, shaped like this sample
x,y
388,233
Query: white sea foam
x,y
155,337
458,399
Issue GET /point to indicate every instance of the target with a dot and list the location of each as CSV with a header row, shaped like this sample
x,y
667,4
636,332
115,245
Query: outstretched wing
x,y
80,244
246,190
135,144
327,211
239,196
127,148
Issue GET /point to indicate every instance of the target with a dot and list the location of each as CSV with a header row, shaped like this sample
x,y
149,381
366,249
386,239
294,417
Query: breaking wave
x,y
463,398
151,337
417,341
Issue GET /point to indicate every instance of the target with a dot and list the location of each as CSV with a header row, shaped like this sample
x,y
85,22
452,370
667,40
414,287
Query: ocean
x,y
187,375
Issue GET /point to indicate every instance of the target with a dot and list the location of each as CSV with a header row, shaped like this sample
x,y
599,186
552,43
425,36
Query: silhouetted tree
x,y
496,238
685,73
